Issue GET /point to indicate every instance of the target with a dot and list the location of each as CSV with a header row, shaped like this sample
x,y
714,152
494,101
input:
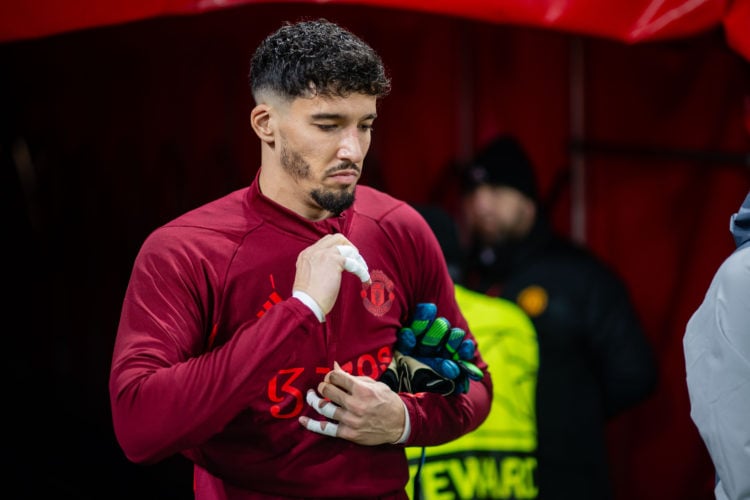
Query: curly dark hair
x,y
317,58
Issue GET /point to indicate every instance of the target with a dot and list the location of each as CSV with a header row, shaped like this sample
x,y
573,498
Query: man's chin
x,y
334,201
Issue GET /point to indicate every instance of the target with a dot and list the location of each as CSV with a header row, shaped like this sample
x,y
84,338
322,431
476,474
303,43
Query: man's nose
x,y
353,147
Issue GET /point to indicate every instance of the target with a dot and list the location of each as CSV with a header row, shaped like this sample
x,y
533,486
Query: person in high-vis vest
x,y
498,459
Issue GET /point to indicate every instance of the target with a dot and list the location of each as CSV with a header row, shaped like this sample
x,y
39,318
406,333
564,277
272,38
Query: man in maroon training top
x,y
242,342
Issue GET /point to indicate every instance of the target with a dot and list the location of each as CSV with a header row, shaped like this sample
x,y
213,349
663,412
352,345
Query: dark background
x,y
107,133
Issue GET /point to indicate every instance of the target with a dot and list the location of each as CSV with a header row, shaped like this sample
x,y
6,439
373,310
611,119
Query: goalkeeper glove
x,y
441,352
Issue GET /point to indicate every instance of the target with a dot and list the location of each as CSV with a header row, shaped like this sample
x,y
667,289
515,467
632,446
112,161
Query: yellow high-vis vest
x,y
497,460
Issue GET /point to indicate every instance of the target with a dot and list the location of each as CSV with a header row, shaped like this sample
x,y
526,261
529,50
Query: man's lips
x,y
346,176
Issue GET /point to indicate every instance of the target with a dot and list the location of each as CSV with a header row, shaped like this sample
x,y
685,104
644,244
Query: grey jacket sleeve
x,y
717,361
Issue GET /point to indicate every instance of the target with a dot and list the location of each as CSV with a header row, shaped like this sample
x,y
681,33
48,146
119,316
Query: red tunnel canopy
x,y
630,21
118,129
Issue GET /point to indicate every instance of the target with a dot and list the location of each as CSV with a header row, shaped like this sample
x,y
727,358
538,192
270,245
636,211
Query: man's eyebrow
x,y
338,116
326,116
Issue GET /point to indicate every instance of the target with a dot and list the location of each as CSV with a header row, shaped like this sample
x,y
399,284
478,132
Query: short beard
x,y
334,202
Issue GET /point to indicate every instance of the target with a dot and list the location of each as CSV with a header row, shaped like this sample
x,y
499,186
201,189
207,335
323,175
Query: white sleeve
x,y
310,302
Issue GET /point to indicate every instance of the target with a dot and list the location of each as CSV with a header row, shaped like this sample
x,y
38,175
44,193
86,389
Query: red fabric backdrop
x,y
114,130
625,20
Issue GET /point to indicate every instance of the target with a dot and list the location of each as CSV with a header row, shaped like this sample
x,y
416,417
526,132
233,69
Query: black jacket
x,y
595,360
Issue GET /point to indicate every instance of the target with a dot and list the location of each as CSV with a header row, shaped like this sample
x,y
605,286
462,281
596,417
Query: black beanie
x,y
503,162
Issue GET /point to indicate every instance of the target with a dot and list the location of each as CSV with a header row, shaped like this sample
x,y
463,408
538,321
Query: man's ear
x,y
261,121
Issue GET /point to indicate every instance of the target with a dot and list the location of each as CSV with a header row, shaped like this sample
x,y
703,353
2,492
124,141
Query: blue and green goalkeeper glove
x,y
432,356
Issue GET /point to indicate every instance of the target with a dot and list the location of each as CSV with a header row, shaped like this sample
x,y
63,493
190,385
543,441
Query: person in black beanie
x,y
595,361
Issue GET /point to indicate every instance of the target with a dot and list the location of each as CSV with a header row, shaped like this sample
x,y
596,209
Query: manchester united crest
x,y
378,295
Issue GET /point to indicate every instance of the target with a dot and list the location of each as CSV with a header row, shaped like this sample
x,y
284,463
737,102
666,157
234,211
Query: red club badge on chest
x,y
378,295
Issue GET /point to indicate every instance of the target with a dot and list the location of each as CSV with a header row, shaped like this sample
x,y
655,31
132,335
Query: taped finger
x,y
347,250
327,410
325,428
354,262
355,267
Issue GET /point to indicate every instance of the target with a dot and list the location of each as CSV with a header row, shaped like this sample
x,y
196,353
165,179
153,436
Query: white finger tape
x,y
327,410
325,428
354,262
